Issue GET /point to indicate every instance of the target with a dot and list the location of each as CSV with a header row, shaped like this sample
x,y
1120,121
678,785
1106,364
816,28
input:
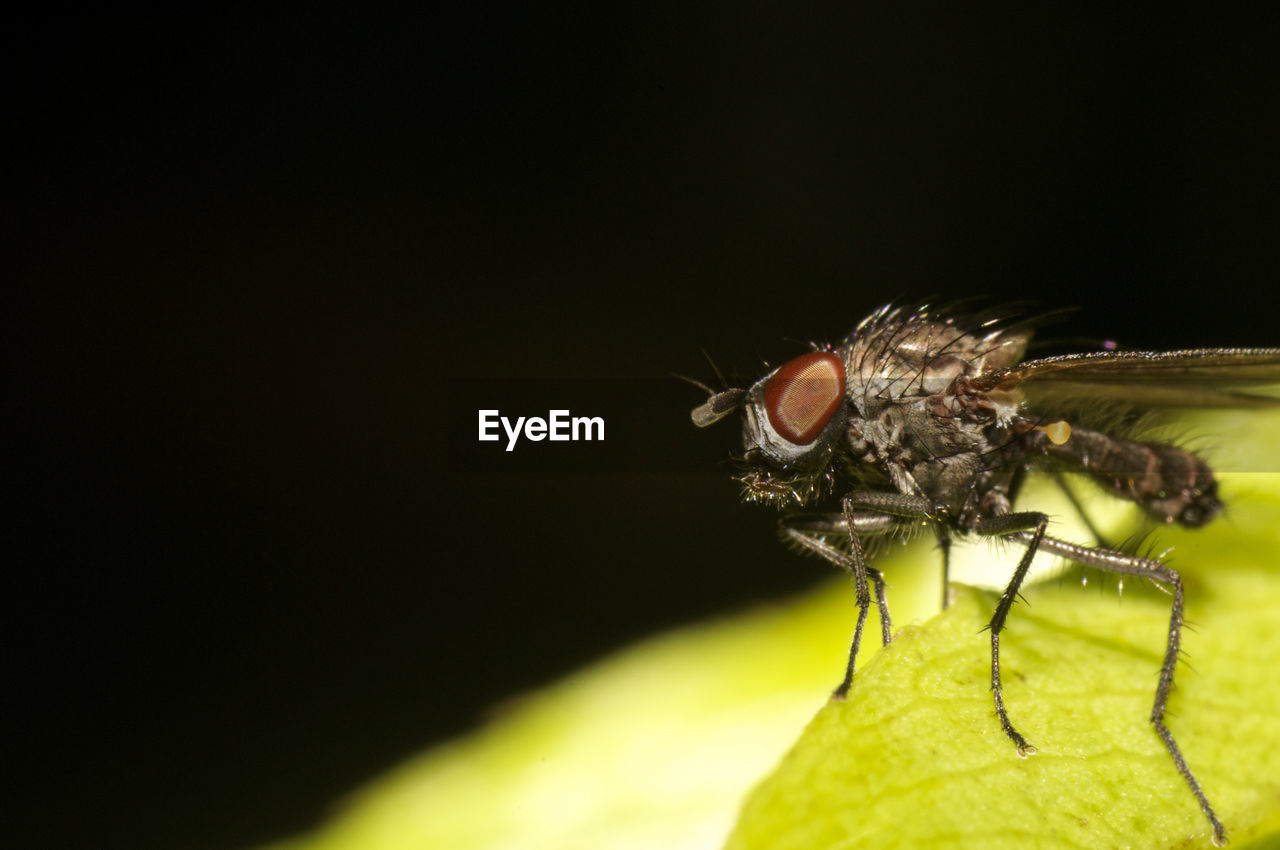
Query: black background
x,y
253,257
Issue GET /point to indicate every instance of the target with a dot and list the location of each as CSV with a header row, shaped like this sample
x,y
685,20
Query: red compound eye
x,y
801,396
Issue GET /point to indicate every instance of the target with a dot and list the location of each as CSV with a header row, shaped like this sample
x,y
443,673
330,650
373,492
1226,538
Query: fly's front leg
x,y
863,513
807,539
810,533
818,546
1169,580
891,509
1029,527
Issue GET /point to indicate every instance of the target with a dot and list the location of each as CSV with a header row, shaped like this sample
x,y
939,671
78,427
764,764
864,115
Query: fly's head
x,y
793,420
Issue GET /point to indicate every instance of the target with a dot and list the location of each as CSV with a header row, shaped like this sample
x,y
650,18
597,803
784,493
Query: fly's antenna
x,y
719,403
717,407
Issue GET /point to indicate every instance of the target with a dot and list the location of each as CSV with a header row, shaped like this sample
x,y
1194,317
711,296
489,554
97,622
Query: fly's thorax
x,y
942,446
855,437
902,357
877,432
986,406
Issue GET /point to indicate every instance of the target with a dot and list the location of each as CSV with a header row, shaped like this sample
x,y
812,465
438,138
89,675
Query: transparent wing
x,y
1205,377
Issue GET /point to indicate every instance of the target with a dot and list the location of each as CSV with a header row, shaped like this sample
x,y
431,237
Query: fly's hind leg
x,y
1169,581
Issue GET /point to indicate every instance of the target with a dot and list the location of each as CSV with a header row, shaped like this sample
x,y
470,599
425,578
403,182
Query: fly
x,y
919,417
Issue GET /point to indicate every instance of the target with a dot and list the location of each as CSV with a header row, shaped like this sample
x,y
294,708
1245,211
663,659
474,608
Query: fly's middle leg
x,y
1168,580
1032,524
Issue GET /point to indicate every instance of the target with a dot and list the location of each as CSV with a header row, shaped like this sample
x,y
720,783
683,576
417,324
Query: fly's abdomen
x,y
1170,483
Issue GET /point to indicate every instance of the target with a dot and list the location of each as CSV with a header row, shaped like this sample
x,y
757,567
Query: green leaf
x,y
657,746
916,758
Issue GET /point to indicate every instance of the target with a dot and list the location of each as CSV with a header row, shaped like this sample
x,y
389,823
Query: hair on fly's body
x,y
922,420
